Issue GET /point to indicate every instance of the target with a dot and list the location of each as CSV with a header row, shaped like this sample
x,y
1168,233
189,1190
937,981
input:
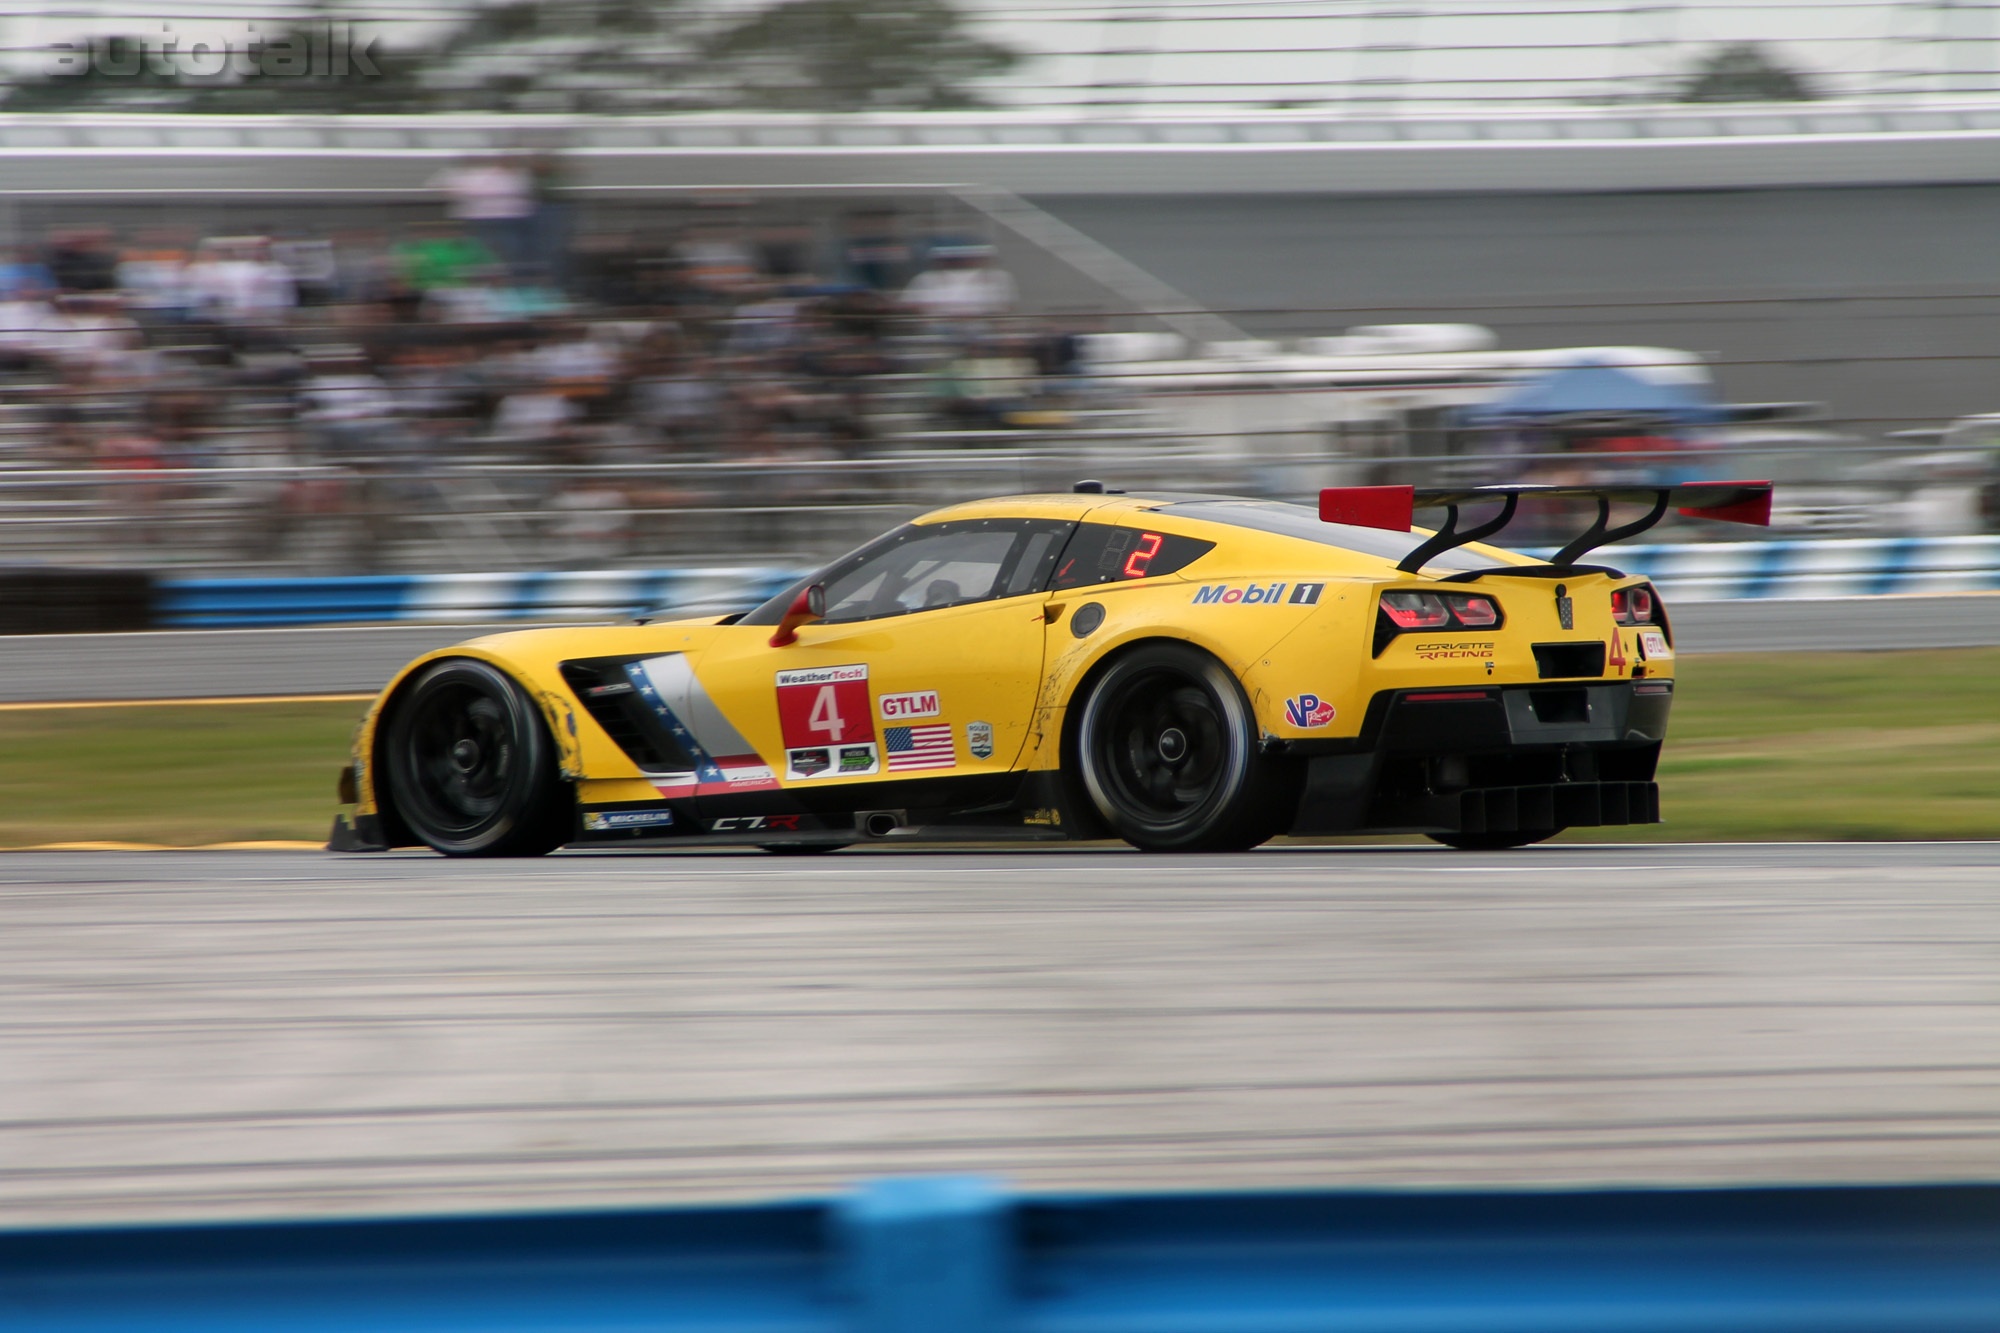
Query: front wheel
x,y
1166,752
471,766
1493,842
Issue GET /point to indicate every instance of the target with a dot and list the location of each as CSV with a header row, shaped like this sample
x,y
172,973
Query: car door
x,y
926,664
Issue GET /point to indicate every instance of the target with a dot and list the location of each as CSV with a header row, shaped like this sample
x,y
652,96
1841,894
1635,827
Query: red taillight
x,y
1632,606
1406,610
1474,612
1416,610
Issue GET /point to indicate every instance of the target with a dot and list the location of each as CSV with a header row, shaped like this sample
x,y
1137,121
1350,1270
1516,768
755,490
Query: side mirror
x,y
807,607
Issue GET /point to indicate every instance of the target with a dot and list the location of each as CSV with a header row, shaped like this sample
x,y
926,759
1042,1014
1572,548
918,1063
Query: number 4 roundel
x,y
825,706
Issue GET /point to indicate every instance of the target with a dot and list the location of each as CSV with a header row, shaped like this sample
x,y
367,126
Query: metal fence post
x,y
927,1253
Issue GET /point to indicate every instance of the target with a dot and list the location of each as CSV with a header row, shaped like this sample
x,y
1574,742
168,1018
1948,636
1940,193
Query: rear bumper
x,y
1493,759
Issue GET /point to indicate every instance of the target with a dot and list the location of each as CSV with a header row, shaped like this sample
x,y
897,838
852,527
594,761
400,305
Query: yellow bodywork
x,y
1015,665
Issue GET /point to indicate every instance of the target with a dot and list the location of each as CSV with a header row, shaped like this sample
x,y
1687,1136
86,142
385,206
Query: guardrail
x,y
1727,571
1720,571
456,599
1695,572
952,1255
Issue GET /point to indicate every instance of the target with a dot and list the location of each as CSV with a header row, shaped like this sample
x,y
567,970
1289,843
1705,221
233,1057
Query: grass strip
x,y
1763,746
1831,746
180,774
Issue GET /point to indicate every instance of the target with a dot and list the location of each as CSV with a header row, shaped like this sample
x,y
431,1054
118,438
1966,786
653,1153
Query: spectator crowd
x,y
359,368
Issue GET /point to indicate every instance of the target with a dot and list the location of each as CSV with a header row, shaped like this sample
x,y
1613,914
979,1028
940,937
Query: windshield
x,y
922,567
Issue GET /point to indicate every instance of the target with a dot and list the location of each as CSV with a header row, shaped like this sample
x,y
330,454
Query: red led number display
x,y
1142,555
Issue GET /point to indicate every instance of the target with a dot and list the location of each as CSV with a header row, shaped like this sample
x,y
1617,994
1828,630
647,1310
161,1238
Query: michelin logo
x,y
1267,594
598,821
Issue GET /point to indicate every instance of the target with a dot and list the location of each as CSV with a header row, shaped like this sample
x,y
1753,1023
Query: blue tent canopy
x,y
1594,390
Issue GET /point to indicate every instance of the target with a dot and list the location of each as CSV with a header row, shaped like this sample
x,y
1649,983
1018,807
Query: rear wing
x,y
1394,507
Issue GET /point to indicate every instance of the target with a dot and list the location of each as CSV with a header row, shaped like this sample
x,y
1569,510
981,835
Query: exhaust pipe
x,y
880,823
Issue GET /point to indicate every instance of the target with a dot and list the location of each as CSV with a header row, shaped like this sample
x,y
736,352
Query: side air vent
x,y
605,693
1563,661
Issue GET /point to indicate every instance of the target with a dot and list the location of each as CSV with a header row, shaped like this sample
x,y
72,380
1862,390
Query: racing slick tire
x,y
1166,755
1493,842
471,766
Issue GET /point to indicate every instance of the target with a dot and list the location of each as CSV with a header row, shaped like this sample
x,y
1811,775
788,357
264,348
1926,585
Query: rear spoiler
x,y
1393,507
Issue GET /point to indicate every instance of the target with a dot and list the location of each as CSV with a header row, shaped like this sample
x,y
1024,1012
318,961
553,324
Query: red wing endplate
x,y
1393,508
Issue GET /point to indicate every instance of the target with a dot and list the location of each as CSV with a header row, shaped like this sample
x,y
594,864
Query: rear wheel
x,y
1166,753
1493,842
471,767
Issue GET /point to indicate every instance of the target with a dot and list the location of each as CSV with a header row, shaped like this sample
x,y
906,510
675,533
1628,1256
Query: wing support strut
x,y
1392,508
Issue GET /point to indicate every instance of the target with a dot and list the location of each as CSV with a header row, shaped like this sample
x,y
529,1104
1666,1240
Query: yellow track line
x,y
275,846
166,703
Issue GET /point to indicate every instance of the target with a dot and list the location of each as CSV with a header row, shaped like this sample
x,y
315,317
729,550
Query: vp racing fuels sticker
x,y
826,721
1308,710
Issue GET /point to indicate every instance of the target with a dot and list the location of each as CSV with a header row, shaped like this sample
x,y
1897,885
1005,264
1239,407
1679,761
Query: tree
x,y
852,55
1743,72
586,56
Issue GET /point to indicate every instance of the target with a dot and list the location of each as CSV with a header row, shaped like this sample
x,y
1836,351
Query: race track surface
x,y
256,1034
191,664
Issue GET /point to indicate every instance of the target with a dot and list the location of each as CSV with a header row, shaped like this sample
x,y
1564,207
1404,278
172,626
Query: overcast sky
x,y
1200,55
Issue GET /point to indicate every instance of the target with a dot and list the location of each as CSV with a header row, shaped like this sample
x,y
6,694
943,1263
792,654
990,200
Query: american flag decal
x,y
918,747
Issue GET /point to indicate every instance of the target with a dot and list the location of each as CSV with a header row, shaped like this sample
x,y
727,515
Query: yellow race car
x,y
1184,672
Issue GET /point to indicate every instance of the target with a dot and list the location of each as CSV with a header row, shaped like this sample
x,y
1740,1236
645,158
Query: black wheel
x,y
471,767
1492,842
1166,754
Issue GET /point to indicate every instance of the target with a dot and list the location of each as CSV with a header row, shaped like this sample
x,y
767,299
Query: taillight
x,y
1633,606
1404,611
1474,612
1416,610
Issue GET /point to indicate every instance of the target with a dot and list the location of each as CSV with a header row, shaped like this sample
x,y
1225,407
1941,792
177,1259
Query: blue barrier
x,y
458,599
952,1256
1706,571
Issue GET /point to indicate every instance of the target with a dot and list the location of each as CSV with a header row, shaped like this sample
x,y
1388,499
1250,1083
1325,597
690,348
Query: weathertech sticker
x,y
918,747
917,703
826,722
1308,710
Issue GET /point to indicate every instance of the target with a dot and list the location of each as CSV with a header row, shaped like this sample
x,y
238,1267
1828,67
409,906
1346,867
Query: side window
x,y
1102,553
927,566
